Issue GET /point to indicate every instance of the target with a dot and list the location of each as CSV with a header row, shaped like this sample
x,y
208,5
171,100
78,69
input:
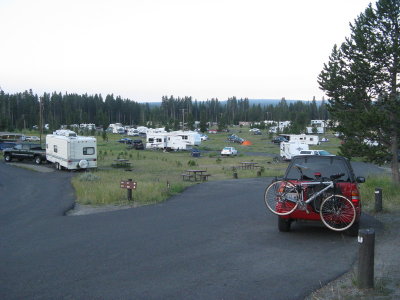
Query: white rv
x,y
176,140
68,151
156,140
302,138
290,149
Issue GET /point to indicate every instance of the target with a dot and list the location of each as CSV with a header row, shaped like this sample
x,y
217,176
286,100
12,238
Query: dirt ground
x,y
386,271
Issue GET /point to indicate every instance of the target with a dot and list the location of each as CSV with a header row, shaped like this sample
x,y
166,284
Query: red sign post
x,y
129,185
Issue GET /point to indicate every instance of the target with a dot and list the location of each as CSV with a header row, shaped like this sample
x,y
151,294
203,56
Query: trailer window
x,y
151,140
55,148
88,150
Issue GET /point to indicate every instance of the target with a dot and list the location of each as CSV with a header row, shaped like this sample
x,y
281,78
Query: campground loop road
x,y
214,241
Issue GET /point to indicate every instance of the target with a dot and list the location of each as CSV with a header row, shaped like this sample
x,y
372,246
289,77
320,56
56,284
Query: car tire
x,y
7,157
284,224
37,160
353,230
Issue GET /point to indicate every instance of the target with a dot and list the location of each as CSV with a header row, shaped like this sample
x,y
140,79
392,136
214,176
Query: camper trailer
x,y
177,140
302,138
290,149
68,151
157,140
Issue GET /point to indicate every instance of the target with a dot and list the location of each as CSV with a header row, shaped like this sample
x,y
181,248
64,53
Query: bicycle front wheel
x,y
281,197
337,212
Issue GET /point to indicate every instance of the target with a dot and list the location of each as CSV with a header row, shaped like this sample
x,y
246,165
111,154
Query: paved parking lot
x,y
214,241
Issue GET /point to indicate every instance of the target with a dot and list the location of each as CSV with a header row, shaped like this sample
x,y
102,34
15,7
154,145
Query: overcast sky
x,y
144,49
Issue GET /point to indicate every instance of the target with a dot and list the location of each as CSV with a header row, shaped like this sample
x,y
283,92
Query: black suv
x,y
137,145
25,151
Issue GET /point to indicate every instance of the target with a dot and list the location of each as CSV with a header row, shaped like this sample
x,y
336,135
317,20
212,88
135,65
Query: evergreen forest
x,y
21,111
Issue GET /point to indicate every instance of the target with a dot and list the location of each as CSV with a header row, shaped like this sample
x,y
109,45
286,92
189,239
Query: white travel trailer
x,y
314,129
116,128
68,151
302,138
290,149
157,140
177,140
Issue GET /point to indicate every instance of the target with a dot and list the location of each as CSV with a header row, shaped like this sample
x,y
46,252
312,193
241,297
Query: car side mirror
x,y
360,179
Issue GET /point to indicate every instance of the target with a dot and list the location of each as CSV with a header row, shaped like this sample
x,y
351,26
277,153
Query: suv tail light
x,y
355,196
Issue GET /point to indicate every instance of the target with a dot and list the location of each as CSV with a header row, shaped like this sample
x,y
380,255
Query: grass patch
x,y
390,193
158,174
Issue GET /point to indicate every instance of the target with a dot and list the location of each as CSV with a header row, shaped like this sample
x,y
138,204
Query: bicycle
x,y
337,212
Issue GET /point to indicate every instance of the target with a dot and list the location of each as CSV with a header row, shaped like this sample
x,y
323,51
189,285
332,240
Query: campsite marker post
x,y
129,185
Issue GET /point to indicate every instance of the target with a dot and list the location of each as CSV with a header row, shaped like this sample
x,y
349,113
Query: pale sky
x,y
145,49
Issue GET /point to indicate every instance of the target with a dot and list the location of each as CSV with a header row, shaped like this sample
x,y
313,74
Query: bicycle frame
x,y
329,184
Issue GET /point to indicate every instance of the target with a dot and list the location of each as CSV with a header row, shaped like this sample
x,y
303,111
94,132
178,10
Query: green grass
x,y
158,174
390,193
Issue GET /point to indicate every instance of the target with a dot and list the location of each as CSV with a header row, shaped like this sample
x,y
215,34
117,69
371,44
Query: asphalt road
x,y
214,241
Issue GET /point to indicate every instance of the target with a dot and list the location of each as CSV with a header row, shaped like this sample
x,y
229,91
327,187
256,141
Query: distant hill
x,y
276,101
262,102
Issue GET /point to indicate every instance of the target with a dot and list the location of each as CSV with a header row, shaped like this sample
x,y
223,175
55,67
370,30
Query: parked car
x,y
315,152
234,138
25,151
229,151
324,139
125,141
279,139
32,139
137,145
203,137
308,168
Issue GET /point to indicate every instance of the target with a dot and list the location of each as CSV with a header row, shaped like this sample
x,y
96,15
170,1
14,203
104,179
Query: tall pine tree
x,y
361,79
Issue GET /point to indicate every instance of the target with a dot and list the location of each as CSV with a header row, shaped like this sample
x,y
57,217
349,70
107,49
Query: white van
x,y
290,149
68,151
315,152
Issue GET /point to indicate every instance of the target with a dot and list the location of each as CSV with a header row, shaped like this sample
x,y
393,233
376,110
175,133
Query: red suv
x,y
306,176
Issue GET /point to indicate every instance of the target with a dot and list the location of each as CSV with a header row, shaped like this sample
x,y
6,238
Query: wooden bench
x,y
187,177
204,177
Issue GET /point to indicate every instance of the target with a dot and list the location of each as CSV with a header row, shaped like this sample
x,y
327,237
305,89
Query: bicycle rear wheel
x,y
337,212
281,197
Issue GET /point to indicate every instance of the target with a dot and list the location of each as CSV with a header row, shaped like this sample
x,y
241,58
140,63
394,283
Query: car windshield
x,y
323,152
305,167
227,149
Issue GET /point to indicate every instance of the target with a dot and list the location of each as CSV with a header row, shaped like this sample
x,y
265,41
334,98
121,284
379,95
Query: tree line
x,y
22,111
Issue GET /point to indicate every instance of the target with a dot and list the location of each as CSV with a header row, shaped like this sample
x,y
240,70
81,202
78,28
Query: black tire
x,y
37,160
353,230
284,224
7,157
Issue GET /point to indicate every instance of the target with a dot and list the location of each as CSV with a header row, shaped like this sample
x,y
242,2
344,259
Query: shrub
x,y
89,177
192,163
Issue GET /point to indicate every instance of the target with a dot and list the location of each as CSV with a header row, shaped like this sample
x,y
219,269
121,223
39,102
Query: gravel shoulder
x,y
386,271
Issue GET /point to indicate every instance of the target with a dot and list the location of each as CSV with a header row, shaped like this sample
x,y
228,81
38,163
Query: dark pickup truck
x,y
25,151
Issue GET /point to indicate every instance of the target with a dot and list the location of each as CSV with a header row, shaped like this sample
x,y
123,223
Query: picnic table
x,y
248,165
121,163
197,175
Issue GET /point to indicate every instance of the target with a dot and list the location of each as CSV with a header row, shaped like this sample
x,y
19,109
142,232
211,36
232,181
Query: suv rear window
x,y
326,165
